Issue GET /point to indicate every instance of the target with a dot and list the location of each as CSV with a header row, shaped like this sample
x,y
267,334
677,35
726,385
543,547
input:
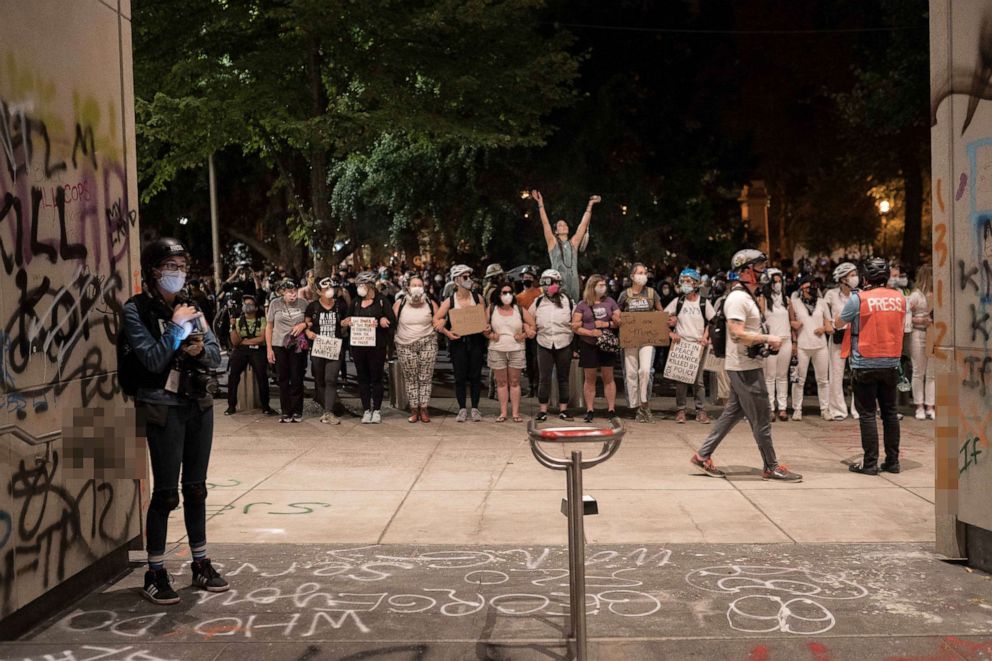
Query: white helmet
x,y
460,270
772,272
745,258
843,270
551,275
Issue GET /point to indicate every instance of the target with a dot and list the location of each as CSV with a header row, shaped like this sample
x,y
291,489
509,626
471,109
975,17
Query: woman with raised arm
x,y
564,251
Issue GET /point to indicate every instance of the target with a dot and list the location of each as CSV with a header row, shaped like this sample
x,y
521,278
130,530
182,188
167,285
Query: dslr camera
x,y
760,351
195,380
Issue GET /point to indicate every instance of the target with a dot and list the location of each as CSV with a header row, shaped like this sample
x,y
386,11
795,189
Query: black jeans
x,y
871,385
467,357
290,367
370,364
325,381
240,359
560,360
179,439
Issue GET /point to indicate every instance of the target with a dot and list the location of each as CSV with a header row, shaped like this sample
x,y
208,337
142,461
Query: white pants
x,y
837,405
777,376
637,366
820,361
924,386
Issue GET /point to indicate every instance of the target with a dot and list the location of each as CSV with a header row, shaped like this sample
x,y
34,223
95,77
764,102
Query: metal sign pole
x,y
577,551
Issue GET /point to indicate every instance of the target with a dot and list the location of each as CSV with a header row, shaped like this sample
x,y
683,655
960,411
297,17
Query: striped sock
x,y
156,562
199,551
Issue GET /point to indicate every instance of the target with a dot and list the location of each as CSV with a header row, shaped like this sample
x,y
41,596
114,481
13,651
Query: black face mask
x,y
528,284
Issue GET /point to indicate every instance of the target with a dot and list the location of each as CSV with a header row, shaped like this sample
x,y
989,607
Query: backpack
x,y
651,298
718,328
702,307
571,303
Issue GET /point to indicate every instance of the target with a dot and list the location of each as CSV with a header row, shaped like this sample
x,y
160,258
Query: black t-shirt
x,y
378,309
325,321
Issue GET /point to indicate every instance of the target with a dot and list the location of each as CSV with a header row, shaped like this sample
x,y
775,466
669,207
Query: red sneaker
x,y
706,466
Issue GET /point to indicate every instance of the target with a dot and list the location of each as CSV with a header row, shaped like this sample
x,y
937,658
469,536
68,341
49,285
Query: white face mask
x,y
506,298
330,292
464,281
687,289
777,287
171,282
853,281
600,290
363,291
416,293
640,279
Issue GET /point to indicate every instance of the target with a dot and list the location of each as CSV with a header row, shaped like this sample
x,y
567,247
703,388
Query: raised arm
x,y
549,235
584,223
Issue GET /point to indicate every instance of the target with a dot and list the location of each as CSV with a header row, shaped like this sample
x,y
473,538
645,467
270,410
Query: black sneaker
x,y
588,416
890,467
541,416
158,587
230,410
269,411
611,414
206,577
864,470
285,419
565,416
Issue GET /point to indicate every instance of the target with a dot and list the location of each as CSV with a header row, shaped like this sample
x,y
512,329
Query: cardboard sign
x,y
684,361
328,348
711,363
363,331
638,329
468,321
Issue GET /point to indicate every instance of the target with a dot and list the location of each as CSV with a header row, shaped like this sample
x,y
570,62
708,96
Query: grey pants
x,y
698,389
748,399
325,381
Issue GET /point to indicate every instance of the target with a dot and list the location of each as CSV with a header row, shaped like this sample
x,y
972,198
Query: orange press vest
x,y
880,325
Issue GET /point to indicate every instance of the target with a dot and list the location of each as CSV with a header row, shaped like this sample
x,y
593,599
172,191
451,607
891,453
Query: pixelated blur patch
x,y
102,443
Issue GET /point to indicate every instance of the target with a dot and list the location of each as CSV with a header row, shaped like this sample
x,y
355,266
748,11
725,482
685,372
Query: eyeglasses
x,y
173,267
464,278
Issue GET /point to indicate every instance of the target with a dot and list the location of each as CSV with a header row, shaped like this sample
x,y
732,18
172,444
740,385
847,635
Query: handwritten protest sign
x,y
328,348
684,360
363,331
711,363
468,320
638,329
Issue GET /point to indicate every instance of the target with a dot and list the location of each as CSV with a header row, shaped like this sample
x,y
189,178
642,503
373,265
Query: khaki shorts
x,y
499,360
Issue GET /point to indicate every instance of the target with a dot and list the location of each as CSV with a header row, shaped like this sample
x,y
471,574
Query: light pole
x,y
884,206
214,224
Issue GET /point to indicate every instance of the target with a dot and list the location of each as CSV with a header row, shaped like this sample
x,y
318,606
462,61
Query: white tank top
x,y
415,323
506,326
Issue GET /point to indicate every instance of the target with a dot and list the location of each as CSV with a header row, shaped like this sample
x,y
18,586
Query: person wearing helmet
x,y
562,250
525,298
874,343
323,317
639,361
746,339
248,344
287,347
846,278
467,353
164,352
370,361
921,307
811,325
552,313
493,280
776,310
689,317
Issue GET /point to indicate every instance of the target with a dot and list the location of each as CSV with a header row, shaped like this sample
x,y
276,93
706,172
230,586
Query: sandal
x,y
517,418
501,418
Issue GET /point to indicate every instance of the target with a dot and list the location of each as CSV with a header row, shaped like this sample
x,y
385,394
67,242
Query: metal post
x,y
214,223
577,551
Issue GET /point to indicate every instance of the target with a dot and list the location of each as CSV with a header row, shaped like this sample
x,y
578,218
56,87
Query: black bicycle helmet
x,y
876,271
158,251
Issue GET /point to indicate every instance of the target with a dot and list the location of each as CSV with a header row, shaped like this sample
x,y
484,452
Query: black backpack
x,y
718,328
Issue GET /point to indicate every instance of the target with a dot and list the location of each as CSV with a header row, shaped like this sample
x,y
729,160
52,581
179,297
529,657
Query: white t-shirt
x,y
554,324
836,300
691,325
740,306
806,338
777,318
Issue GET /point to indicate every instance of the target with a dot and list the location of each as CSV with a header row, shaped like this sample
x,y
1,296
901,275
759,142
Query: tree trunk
x,y
913,178
320,202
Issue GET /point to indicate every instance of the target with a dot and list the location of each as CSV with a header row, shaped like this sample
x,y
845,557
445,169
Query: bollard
x,y
397,387
575,396
248,398
575,508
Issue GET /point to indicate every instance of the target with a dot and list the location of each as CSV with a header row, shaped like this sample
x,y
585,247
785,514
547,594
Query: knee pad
x,y
164,501
195,493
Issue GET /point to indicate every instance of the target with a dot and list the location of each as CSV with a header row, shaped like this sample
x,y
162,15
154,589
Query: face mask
x,y
901,281
438,279
416,292
465,283
330,292
553,289
687,289
600,290
640,279
289,297
506,298
777,287
853,281
171,282
528,284
363,291
250,309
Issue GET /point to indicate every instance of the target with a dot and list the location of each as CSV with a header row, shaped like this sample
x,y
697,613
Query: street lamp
x,y
884,207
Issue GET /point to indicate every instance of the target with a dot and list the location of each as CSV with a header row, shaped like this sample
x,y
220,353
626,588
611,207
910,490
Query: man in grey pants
x,y
748,394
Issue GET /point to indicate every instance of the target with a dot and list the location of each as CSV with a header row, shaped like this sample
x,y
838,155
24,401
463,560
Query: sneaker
x,y
367,417
931,414
706,465
839,418
284,419
797,415
648,415
230,410
206,577
899,416
702,418
462,415
332,419
476,415
639,415
781,473
541,416
376,417
921,413
297,417
611,414
890,467
826,415
680,416
783,416
269,411
565,416
158,587
864,470
588,416
324,419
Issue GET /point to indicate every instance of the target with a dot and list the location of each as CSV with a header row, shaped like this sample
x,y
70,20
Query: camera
x,y
760,351
197,382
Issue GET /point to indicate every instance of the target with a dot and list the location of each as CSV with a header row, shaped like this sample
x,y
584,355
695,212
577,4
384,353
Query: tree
x,y
302,82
